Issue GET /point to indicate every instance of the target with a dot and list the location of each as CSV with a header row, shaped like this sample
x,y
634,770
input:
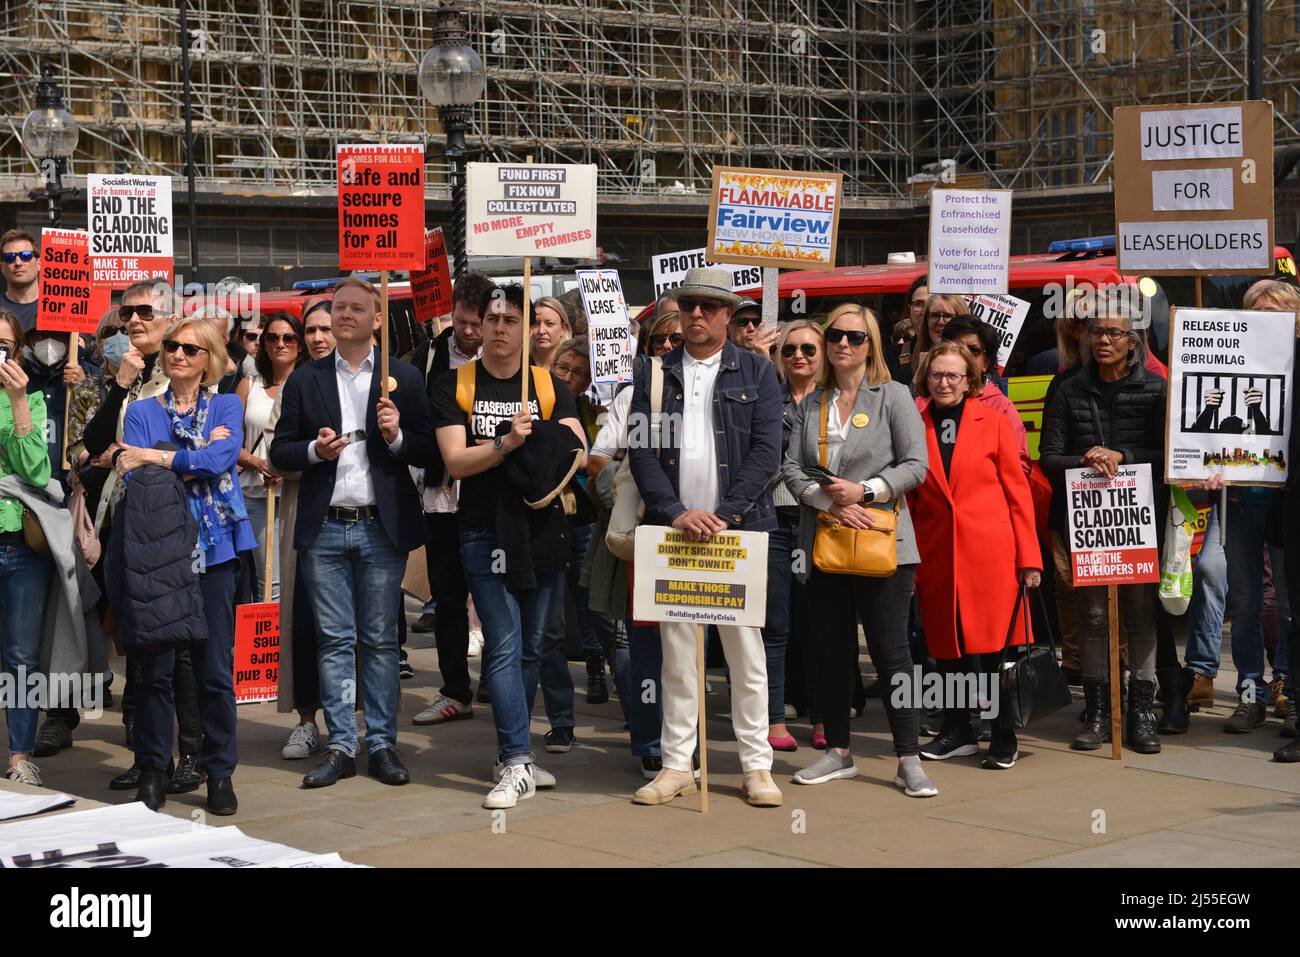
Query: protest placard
x,y
381,206
1229,395
772,217
608,331
1006,314
69,301
669,269
970,241
257,652
1112,526
719,582
130,227
1194,188
526,209
431,287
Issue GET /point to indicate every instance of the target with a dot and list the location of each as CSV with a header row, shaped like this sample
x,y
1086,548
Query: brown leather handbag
x,y
841,550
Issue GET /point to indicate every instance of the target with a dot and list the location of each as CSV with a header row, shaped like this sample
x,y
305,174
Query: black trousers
x,y
306,674
185,698
883,604
451,592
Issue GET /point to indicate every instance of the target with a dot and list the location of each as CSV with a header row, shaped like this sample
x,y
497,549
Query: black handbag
x,y
1032,685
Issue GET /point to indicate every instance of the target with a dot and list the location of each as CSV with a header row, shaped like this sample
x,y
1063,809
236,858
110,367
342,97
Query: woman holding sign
x,y
1112,413
974,519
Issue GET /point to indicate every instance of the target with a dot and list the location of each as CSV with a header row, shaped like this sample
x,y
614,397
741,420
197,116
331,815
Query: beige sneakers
x,y
666,786
761,790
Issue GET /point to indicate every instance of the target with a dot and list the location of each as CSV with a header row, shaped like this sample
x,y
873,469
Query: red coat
x,y
974,530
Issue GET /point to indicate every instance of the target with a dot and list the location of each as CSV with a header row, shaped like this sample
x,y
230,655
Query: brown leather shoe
x,y
1202,692
667,785
761,790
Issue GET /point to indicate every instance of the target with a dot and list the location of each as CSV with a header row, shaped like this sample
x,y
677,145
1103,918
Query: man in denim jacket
x,y
720,446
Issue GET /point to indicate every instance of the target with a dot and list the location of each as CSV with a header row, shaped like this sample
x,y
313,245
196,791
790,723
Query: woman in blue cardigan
x,y
207,432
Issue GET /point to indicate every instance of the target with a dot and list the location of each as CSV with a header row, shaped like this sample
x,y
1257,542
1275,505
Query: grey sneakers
x,y
913,779
828,767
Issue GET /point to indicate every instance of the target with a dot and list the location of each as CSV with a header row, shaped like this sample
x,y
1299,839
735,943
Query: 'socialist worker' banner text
x,y
1112,526
768,217
1007,315
608,331
970,241
526,209
129,220
719,582
669,269
1230,395
381,207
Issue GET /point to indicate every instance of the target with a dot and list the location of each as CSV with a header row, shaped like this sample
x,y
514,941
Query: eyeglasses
x,y
566,371
1107,332
250,336
275,338
975,350
855,336
945,376
809,350
171,345
917,304
657,342
943,315
26,256
706,306
746,320
145,312
109,331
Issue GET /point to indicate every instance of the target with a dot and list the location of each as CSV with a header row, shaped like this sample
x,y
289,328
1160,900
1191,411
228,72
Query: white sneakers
x,y
475,643
516,784
544,779
24,772
304,741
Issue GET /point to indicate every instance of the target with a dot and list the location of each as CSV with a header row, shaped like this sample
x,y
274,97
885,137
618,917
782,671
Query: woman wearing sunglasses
x,y
786,636
208,428
872,454
279,352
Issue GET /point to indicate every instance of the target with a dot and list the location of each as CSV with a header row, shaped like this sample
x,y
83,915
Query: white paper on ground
x,y
14,805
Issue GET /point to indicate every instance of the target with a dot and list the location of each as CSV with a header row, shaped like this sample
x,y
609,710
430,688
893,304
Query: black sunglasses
x,y
126,312
975,350
171,345
109,331
274,338
250,336
657,342
26,256
707,306
746,320
809,349
855,336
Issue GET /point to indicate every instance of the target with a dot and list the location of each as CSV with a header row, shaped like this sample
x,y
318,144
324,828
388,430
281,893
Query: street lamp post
x,y
452,78
50,135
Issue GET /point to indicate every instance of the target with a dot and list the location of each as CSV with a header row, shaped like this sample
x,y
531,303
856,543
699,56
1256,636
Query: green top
x,y
27,456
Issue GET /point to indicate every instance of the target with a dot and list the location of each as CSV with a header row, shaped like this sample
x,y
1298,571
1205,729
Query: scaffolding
x,y
1019,93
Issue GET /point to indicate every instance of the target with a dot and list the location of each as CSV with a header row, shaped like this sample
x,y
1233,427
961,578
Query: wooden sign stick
x,y
74,348
383,332
524,375
1112,602
268,567
704,721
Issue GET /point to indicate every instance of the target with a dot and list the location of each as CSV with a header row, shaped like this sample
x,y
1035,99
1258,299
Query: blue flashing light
x,y
316,285
1091,244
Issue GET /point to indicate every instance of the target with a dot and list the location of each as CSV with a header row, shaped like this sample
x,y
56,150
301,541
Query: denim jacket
x,y
746,428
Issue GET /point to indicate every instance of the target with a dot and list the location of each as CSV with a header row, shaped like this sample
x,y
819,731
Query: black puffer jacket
x,y
1079,418
151,571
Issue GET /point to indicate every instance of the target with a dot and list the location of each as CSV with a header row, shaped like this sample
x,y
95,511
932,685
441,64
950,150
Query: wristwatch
x,y
868,494
499,444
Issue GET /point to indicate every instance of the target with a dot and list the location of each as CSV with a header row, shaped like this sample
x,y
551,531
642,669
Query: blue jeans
x,y
553,669
645,708
1247,539
1209,600
24,580
776,632
355,574
513,626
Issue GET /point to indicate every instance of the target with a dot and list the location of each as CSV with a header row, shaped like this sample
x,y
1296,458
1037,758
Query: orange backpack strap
x,y
465,381
544,386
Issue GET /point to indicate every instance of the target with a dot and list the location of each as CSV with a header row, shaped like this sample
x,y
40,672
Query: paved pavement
x,y
1209,800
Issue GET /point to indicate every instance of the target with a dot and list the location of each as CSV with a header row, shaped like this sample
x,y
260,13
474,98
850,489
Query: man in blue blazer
x,y
359,516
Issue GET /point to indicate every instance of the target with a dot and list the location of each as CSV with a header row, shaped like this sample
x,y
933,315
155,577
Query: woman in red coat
x,y
974,518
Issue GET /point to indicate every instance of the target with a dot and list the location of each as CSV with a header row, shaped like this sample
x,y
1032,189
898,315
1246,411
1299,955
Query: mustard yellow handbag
x,y
841,550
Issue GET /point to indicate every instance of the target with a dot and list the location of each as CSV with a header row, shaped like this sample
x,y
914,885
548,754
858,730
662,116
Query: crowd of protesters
x,y
186,463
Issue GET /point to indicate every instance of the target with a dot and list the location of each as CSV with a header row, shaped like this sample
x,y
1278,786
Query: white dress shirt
x,y
698,474
353,485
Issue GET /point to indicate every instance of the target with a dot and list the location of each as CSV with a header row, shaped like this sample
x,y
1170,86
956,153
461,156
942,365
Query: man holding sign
x,y
1109,416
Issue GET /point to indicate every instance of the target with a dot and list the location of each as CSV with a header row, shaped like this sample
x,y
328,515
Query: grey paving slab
x,y
1175,849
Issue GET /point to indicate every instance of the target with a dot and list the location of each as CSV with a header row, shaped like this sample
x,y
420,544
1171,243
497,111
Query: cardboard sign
x,y
669,269
257,652
1112,526
1194,188
1006,314
719,582
527,209
130,227
1229,395
773,217
381,206
608,330
431,286
970,241
69,302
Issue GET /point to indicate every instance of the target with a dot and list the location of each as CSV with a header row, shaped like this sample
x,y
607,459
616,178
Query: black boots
x,y
1141,731
1175,683
221,797
1096,725
597,689
153,789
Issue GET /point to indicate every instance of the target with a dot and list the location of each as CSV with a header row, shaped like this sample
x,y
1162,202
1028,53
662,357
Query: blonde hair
x,y
553,304
355,282
959,308
789,330
948,347
210,339
877,371
1284,294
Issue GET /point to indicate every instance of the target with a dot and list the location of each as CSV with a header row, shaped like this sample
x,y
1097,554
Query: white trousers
x,y
680,689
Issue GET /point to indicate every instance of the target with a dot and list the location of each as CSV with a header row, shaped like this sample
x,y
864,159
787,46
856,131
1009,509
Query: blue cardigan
x,y
147,424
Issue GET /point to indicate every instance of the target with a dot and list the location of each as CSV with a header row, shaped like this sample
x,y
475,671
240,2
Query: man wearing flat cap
x,y
712,474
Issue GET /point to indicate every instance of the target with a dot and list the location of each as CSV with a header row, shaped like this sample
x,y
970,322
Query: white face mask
x,y
50,352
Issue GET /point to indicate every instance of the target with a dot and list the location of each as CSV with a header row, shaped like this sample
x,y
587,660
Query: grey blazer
x,y
891,446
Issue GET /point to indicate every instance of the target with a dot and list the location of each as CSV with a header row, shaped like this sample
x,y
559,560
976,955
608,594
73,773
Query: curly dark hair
x,y
471,290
